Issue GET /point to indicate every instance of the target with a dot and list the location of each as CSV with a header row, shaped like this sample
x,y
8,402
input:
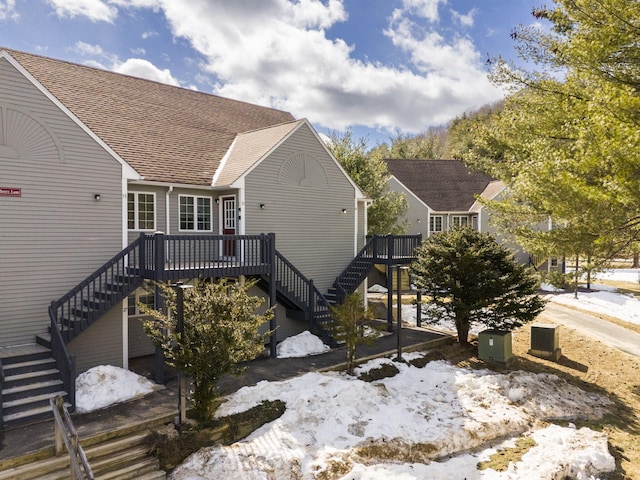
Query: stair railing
x,y
98,293
65,363
292,283
346,282
65,434
1,384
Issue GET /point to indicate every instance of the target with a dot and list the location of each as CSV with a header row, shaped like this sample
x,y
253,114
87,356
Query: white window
x,y
459,221
195,213
141,211
143,295
435,223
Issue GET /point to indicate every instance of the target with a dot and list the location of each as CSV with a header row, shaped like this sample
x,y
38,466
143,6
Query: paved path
x,y
606,332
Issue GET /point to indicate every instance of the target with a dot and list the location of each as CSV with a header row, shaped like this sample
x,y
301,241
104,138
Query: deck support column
x,y
390,257
272,293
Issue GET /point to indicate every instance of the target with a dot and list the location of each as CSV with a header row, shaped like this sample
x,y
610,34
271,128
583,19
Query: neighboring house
x,y
94,164
442,194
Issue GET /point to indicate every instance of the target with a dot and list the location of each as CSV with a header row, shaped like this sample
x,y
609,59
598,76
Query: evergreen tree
x,y
567,142
220,331
472,279
371,175
353,326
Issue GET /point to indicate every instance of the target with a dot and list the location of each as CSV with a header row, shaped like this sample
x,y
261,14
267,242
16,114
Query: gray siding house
x,y
109,182
442,194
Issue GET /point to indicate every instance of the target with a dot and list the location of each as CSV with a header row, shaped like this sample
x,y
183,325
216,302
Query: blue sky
x,y
376,66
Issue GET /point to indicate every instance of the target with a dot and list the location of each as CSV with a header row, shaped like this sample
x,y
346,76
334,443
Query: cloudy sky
x,y
375,66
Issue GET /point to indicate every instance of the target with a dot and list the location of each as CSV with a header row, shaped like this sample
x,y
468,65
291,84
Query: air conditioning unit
x,y
495,346
545,341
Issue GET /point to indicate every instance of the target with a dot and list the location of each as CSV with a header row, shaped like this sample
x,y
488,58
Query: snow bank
x,y
105,385
331,415
301,345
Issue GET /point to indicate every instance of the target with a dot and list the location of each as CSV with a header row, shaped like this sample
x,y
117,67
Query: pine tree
x,y
220,332
472,279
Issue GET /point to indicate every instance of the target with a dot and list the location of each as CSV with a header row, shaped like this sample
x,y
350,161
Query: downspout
x,y
125,302
167,208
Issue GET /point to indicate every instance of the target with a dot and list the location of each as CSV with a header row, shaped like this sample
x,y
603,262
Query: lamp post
x,y
400,269
180,287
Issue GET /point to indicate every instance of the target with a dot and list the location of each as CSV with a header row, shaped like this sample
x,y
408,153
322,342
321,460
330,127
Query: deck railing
x,y
171,257
1,385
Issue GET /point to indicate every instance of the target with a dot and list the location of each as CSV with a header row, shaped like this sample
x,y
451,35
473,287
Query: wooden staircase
x,y
121,454
30,380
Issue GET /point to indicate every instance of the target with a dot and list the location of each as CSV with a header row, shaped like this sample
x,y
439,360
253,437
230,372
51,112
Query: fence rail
x,y
65,434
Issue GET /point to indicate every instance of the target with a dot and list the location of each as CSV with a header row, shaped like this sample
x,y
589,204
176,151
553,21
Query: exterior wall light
x,y
344,210
96,197
262,206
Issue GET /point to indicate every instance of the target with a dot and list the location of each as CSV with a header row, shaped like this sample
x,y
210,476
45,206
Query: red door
x,y
229,225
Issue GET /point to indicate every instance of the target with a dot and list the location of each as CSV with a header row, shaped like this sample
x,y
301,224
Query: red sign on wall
x,y
10,192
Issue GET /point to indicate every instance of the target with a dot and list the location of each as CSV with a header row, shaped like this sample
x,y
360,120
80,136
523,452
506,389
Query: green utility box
x,y
494,346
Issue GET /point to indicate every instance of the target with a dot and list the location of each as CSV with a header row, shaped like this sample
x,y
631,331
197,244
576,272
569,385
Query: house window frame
x,y
456,221
134,298
137,212
196,215
432,223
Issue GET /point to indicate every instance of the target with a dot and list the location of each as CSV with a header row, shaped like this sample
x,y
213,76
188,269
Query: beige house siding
x,y
304,194
55,233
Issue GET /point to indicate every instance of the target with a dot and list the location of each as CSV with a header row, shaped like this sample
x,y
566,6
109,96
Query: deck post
x,y
390,255
310,306
158,256
272,294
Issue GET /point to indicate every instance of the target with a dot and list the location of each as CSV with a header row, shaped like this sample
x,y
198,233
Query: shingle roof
x,y
249,148
444,185
166,133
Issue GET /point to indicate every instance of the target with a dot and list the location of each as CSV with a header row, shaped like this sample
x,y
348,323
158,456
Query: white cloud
x,y
464,20
279,53
8,10
138,67
94,10
427,9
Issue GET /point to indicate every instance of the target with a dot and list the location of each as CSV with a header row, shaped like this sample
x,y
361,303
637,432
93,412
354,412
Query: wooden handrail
x,y
65,433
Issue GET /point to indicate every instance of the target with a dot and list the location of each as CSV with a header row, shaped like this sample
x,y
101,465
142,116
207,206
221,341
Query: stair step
x,y
44,339
32,399
37,388
28,366
24,354
134,471
31,377
118,459
28,416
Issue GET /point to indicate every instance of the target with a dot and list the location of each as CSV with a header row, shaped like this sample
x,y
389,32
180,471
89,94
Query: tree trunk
x,y
462,327
636,260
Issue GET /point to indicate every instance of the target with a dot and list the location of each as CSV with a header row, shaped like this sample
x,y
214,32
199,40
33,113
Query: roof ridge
x,y
10,51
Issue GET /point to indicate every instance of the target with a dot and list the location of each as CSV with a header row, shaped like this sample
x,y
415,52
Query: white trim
x,y
223,162
124,210
221,211
241,210
195,213
167,210
127,170
136,193
125,333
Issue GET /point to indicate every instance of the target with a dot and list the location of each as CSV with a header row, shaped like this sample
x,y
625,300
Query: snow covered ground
x,y
436,422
